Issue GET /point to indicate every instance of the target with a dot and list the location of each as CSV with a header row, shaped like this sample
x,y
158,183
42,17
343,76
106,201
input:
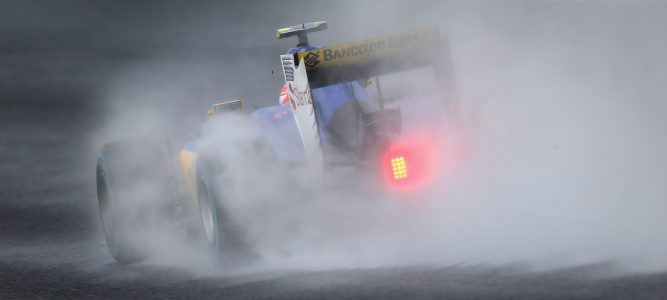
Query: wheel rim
x,y
206,212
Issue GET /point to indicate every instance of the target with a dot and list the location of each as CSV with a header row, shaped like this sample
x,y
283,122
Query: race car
x,y
324,121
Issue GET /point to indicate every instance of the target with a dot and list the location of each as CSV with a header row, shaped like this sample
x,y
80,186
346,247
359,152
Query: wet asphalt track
x,y
51,246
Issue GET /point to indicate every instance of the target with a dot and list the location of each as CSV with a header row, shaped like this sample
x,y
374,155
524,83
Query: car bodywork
x,y
323,111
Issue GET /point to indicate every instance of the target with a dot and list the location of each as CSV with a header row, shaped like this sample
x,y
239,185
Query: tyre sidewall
x,y
123,167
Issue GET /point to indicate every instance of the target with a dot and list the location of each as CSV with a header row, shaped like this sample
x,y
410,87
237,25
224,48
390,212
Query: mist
x,y
558,161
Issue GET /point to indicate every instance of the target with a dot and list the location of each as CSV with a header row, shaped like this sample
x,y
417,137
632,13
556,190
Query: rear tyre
x,y
223,236
133,195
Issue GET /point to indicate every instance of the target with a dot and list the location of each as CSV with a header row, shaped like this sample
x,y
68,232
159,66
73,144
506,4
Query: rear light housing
x,y
399,168
410,163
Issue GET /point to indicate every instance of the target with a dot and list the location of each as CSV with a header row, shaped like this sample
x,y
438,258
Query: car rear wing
x,y
374,57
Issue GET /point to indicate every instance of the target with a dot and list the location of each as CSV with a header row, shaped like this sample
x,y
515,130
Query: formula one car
x,y
325,120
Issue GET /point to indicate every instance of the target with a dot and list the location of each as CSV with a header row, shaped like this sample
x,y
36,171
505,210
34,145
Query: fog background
x,y
563,102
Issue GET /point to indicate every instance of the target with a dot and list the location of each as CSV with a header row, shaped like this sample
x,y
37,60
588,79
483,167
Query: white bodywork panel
x,y
300,98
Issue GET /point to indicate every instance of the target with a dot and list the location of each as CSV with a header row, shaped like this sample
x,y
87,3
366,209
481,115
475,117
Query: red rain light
x,y
410,163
